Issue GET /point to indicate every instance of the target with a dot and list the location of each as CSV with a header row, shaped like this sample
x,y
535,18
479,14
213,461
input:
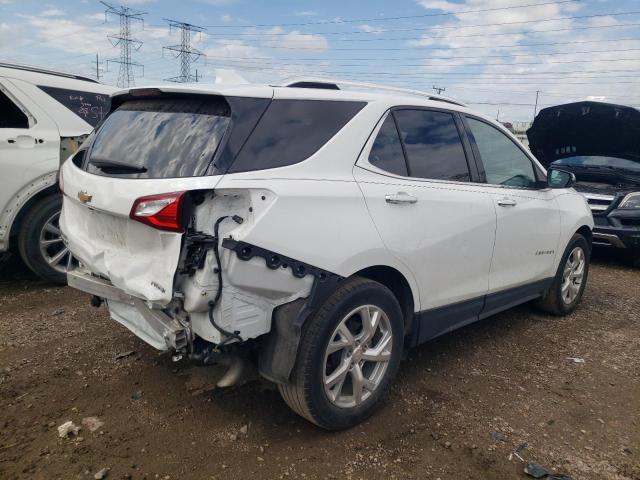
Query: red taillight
x,y
163,211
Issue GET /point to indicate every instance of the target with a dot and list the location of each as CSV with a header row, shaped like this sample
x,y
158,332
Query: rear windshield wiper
x,y
104,164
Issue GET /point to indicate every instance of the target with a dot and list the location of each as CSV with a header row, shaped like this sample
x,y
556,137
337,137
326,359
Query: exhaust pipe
x,y
235,370
234,362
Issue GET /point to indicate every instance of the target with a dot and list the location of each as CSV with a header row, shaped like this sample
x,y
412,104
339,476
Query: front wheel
x,y
565,293
349,353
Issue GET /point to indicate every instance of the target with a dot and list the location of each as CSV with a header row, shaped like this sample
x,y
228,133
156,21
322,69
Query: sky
x,y
496,55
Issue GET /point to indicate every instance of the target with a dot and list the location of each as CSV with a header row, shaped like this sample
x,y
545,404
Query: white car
x,y
327,227
44,116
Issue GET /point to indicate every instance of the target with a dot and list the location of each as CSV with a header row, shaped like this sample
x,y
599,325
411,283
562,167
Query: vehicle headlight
x,y
632,200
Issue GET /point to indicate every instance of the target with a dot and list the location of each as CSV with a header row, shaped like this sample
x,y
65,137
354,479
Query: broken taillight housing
x,y
163,211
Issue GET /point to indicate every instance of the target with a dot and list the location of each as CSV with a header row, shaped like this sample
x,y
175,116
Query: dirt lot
x,y
459,409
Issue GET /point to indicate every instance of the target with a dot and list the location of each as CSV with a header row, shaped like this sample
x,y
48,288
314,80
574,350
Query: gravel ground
x,y
469,405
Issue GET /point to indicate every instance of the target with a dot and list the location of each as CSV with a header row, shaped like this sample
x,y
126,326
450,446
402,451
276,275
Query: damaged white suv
x,y
324,227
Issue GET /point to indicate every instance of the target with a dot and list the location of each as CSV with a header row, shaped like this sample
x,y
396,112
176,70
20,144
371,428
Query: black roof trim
x,y
319,85
27,68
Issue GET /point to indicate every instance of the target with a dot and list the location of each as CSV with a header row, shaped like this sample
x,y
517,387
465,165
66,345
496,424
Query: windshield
x,y
597,161
160,138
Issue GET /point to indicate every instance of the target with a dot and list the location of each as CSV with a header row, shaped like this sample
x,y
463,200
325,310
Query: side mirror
x,y
560,178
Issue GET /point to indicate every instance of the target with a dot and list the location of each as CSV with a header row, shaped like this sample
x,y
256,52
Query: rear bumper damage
x,y
150,324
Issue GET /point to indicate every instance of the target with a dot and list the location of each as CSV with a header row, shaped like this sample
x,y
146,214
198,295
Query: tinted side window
x,y
504,163
10,114
91,107
386,152
290,131
433,145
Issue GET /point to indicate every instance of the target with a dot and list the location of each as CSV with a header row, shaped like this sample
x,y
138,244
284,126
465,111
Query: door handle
x,y
507,202
400,197
23,141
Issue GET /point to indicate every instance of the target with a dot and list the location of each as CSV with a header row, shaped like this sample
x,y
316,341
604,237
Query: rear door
x,y
29,141
528,227
418,182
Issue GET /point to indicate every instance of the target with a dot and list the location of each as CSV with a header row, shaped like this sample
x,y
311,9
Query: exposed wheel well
x,y
586,233
397,283
17,222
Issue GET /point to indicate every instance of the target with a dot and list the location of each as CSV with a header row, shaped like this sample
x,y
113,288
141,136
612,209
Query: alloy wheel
x,y
52,247
357,356
573,275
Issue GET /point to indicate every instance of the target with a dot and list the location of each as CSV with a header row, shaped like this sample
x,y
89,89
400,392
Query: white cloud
x,y
217,3
493,70
278,38
306,13
52,12
370,29
226,18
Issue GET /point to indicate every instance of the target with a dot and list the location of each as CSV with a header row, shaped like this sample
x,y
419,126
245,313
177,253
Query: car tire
x,y
568,285
370,358
34,229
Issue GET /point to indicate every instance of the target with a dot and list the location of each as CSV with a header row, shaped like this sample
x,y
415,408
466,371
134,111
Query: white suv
x,y
324,227
44,116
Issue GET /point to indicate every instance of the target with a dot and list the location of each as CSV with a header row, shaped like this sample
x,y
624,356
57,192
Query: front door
x,y
528,217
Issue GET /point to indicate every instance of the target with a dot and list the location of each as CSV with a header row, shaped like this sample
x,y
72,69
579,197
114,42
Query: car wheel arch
x,y
395,281
586,232
16,221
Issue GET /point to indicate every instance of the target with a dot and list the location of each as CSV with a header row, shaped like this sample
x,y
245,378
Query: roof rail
x,y
323,83
27,68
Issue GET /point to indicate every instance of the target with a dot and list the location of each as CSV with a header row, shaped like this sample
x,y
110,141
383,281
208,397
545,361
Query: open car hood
x,y
585,129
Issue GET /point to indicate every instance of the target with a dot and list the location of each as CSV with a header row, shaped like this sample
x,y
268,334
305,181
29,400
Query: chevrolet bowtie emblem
x,y
84,197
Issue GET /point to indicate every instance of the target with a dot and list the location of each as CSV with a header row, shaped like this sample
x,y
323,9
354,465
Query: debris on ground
x,y
498,437
137,395
576,359
125,354
101,474
92,423
517,451
537,471
68,429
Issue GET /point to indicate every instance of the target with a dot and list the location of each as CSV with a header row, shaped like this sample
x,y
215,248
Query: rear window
x,y
90,107
160,138
386,152
291,131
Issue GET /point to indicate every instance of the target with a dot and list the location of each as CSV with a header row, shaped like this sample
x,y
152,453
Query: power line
x,y
405,17
124,40
184,51
589,52
482,35
275,61
431,77
456,27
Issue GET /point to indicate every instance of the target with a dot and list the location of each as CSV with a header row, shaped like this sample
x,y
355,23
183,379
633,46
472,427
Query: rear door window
x,y
90,107
386,152
11,116
160,138
290,131
433,145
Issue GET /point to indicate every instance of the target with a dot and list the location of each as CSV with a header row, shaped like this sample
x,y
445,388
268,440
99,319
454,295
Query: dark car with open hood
x,y
600,144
